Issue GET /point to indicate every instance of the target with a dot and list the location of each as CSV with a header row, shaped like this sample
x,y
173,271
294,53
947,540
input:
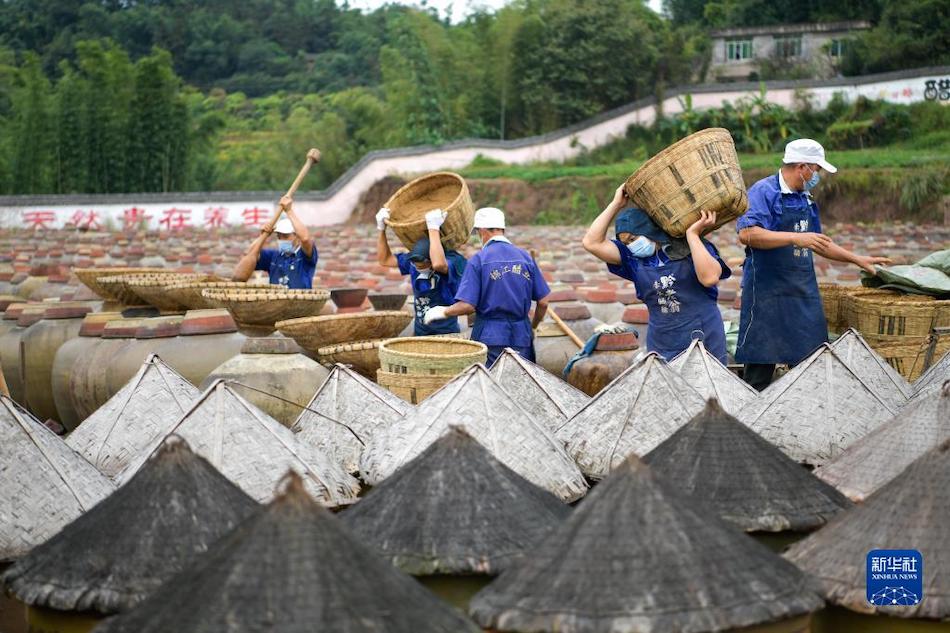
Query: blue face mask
x,y
642,247
285,246
812,182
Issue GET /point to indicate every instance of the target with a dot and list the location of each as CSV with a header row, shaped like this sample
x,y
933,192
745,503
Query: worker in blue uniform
x,y
499,285
294,261
434,272
675,278
782,320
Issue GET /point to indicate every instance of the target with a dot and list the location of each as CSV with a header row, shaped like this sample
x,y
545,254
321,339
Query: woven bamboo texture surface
x,y
455,509
412,388
346,397
935,375
479,405
712,379
117,288
868,464
44,484
442,190
913,507
831,297
430,355
362,356
698,173
150,288
896,315
90,278
291,568
745,479
188,293
553,400
134,417
312,333
254,306
857,354
638,556
123,549
907,354
632,415
252,449
817,409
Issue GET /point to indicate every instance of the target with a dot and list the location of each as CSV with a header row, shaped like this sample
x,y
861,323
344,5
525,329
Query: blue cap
x,y
637,222
420,251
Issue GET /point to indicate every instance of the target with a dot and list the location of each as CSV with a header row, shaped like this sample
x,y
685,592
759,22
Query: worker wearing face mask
x,y
782,319
675,278
434,272
294,261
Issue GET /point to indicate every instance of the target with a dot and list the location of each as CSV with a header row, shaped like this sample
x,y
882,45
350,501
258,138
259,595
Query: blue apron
x,y
680,310
782,319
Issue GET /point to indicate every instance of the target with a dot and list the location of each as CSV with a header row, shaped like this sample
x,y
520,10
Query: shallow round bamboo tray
x,y
412,388
118,288
362,356
90,278
430,355
907,354
188,293
151,288
699,173
442,190
262,308
312,333
896,315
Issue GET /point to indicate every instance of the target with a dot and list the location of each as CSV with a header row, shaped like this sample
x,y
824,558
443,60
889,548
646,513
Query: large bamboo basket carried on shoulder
x,y
312,333
442,190
150,287
890,314
698,173
90,277
430,355
188,293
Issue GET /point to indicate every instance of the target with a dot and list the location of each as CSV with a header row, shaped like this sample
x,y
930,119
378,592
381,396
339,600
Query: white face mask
x,y
642,247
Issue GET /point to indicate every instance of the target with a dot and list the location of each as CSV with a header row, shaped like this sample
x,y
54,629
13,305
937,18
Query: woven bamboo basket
x,y
312,333
117,288
412,388
834,300
429,355
257,310
907,354
151,287
362,356
699,173
442,190
896,315
90,278
188,293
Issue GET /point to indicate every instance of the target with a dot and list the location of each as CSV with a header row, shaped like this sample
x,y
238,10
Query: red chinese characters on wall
x,y
175,219
38,219
255,216
134,217
216,217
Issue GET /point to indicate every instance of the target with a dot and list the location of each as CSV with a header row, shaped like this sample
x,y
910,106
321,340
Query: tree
x,y
31,167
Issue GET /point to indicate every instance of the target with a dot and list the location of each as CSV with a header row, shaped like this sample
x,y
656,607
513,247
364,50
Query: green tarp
x,y
929,276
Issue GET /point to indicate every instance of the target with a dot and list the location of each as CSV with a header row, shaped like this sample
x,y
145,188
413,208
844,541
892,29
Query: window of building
x,y
788,46
837,48
737,50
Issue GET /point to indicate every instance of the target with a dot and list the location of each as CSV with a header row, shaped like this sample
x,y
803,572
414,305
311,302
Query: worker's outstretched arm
x,y
248,262
707,267
595,240
300,229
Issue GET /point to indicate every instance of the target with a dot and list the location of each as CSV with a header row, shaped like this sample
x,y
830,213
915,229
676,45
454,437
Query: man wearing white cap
x,y
294,261
499,284
782,319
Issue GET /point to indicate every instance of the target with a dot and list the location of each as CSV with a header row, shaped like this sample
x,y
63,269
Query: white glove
x,y
381,216
436,313
435,218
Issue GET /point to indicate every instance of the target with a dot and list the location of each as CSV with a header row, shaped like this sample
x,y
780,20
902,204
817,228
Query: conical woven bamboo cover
x,y
455,509
912,511
639,556
817,409
935,375
711,378
747,481
44,484
251,449
112,557
855,352
553,399
632,415
479,405
290,568
884,453
347,398
134,417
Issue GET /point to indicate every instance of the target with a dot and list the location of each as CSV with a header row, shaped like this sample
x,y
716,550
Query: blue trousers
x,y
494,351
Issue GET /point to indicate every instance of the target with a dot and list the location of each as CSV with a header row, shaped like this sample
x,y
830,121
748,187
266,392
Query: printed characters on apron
x,y
782,319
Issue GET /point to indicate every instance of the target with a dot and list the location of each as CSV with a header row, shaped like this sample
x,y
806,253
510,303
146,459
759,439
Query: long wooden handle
x,y
565,328
313,156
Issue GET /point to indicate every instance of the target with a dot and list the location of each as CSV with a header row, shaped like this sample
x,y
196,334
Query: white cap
x,y
489,218
284,225
805,150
